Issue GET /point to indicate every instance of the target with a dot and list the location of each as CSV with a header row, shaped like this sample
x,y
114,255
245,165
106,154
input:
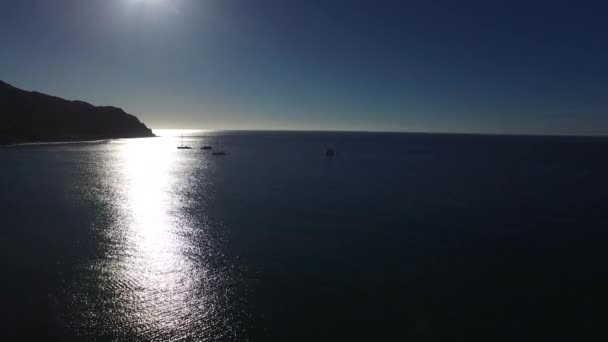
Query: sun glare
x,y
161,280
153,4
146,1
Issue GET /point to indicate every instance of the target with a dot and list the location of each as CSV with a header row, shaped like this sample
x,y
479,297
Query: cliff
x,y
32,117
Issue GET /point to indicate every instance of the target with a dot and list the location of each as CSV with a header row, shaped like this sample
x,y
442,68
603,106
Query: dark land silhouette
x,y
35,117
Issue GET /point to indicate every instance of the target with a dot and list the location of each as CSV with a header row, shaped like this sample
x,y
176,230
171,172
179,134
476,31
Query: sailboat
x,y
206,146
218,151
182,146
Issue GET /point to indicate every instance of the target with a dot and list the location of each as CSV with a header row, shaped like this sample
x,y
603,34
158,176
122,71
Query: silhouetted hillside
x,y
31,116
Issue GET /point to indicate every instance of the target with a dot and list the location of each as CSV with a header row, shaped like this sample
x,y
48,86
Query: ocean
x,y
397,237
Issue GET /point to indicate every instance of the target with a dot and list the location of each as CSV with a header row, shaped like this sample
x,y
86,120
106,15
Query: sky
x,y
516,67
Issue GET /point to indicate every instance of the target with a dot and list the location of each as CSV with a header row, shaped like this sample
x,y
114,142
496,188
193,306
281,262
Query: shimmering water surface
x,y
397,237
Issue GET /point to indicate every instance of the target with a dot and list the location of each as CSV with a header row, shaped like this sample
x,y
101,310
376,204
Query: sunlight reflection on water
x,y
154,279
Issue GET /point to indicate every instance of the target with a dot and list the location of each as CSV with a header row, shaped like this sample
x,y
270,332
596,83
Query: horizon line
x,y
556,135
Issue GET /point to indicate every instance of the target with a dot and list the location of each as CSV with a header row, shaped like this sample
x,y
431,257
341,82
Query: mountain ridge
x,y
31,116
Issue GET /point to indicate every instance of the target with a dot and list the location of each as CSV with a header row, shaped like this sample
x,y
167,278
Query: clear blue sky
x,y
450,66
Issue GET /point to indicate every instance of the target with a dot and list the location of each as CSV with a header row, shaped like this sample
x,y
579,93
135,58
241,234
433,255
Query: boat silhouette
x,y
182,146
218,151
206,146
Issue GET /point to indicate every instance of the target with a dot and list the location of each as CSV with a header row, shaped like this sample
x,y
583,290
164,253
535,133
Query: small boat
x,y
218,151
206,147
182,146
329,152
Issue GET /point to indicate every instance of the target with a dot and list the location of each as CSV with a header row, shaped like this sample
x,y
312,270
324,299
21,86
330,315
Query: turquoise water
x,y
400,236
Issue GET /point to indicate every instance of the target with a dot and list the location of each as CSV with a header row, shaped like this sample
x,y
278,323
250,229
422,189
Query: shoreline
x,y
67,142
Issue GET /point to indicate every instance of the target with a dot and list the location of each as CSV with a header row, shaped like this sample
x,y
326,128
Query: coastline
x,y
69,142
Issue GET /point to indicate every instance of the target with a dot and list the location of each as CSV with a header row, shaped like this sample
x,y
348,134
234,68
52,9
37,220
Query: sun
x,y
147,2
155,5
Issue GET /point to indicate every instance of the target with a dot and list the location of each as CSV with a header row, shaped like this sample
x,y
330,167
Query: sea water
x,y
397,237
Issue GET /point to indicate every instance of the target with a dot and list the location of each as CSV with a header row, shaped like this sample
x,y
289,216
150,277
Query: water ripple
x,y
161,274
